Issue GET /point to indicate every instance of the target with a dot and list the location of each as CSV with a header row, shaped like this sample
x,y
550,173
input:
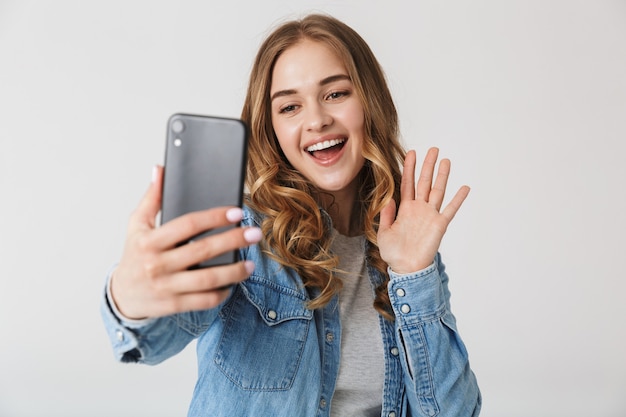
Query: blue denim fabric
x,y
262,353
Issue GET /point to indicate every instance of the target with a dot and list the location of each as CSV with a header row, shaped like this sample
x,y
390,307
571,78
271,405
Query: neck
x,y
342,210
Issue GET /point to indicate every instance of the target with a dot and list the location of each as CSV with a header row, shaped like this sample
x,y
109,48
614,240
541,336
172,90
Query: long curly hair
x,y
296,231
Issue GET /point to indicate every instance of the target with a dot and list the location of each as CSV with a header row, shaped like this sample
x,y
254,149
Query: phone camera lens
x,y
177,142
177,126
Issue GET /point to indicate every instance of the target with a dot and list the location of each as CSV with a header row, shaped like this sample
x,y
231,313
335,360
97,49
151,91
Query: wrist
x,y
115,307
409,267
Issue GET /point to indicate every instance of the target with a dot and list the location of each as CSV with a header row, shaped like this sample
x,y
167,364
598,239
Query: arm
x,y
435,362
151,341
436,368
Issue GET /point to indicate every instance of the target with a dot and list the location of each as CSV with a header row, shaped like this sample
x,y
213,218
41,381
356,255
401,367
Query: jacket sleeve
x,y
151,341
437,374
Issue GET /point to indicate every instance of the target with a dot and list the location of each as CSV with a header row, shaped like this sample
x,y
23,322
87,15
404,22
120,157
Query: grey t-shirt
x,y
359,387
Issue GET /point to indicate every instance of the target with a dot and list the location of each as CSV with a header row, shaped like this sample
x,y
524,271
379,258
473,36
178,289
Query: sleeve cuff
x,y
417,274
418,296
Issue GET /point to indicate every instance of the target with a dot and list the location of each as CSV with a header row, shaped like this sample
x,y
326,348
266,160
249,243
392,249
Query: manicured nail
x,y
234,214
154,173
249,265
252,235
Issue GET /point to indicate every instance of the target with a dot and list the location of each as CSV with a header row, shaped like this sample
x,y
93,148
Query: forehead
x,y
304,63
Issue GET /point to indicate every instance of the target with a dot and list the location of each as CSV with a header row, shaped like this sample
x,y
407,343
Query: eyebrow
x,y
323,82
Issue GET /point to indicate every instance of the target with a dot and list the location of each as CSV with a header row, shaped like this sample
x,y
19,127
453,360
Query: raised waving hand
x,y
409,239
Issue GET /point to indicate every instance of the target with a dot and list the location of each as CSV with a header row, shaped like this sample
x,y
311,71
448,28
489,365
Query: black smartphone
x,y
205,166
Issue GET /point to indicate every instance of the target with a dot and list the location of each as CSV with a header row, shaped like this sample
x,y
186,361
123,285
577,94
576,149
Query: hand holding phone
x,y
153,278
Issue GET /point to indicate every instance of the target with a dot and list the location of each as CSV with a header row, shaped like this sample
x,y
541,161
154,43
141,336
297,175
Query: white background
x,y
528,99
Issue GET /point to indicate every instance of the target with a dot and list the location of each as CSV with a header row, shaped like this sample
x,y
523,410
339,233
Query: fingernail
x,y
234,214
252,235
249,265
154,173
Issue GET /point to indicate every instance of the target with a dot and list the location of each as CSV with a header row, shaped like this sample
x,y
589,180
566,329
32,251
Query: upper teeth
x,y
325,145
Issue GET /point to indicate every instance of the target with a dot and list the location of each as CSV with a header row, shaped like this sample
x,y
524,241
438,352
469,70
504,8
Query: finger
x,y
189,225
453,206
407,184
438,191
145,214
208,279
425,181
208,247
387,216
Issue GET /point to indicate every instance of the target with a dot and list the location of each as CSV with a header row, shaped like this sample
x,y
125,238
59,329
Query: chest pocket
x,y
263,338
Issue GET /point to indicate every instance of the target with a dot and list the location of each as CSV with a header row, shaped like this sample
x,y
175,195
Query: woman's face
x,y
317,117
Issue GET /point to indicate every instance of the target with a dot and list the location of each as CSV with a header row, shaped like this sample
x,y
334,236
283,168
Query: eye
x,y
290,108
336,95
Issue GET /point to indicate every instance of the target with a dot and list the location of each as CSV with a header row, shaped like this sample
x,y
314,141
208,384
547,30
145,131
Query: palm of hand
x,y
409,241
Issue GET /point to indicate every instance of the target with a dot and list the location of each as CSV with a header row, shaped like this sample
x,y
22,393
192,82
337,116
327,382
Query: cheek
x,y
287,137
354,117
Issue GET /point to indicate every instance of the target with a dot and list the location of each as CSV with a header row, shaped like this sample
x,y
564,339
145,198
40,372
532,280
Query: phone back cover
x,y
205,165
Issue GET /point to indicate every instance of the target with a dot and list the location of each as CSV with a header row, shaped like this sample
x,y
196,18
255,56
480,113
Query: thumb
x,y
387,215
145,214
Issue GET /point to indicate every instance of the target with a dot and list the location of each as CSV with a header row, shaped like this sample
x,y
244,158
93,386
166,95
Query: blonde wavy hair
x,y
297,233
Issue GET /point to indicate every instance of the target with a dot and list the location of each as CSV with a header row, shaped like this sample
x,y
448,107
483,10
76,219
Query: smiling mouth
x,y
326,149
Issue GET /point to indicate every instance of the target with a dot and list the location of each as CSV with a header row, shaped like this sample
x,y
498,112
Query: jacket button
x,y
272,315
405,308
120,335
323,403
395,351
392,414
400,292
330,337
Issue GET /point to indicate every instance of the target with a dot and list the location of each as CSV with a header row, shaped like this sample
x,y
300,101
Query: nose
x,y
317,118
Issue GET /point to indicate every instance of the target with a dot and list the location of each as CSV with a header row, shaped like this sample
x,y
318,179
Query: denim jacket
x,y
263,353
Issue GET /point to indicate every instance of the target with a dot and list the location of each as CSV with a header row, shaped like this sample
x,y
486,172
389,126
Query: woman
x,y
340,305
